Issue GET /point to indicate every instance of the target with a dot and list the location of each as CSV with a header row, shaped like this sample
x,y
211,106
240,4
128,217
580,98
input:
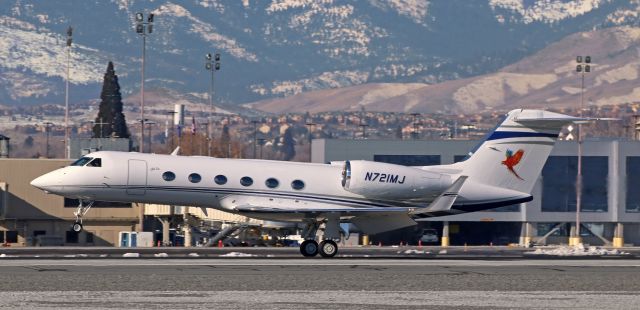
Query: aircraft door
x,y
137,178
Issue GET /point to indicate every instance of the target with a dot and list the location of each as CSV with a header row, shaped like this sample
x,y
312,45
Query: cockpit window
x,y
96,162
81,161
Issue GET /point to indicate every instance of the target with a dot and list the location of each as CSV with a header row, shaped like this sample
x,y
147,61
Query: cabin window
x,y
246,181
297,184
194,178
220,179
96,162
81,161
271,183
168,176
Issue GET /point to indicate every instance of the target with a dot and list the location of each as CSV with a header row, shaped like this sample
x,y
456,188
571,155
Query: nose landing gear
x,y
79,213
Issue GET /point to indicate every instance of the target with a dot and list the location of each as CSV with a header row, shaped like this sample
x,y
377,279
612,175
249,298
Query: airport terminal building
x,y
610,198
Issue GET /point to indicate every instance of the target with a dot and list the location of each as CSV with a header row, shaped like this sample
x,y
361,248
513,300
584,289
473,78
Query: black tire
x,y
309,248
328,248
77,227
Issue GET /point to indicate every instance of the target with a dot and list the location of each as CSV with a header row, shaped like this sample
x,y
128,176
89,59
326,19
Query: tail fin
x,y
512,156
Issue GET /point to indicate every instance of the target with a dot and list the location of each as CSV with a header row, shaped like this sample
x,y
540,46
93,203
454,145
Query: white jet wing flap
x,y
445,200
378,223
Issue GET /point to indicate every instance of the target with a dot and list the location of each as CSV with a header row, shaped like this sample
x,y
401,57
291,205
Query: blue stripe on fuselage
x,y
519,134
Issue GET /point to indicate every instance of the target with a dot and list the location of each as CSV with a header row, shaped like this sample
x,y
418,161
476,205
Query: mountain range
x,y
280,48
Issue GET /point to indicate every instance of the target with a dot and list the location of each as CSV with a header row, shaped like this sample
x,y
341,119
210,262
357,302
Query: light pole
x,y
66,95
212,64
142,27
582,69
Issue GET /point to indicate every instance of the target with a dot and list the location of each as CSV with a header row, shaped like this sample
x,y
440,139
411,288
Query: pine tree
x,y
288,144
225,141
110,120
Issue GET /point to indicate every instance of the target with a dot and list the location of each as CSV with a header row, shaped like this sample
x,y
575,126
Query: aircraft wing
x,y
318,209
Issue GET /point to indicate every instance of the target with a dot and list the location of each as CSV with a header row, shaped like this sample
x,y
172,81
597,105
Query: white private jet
x,y
376,197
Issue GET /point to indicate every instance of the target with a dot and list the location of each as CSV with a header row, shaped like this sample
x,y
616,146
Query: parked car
x,y
429,236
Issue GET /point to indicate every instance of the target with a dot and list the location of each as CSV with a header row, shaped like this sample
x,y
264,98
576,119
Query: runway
x,y
244,283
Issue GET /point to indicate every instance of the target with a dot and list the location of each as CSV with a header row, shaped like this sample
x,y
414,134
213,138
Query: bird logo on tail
x,y
512,160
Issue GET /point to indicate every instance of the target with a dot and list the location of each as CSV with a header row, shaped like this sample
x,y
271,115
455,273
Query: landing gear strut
x,y
79,213
328,247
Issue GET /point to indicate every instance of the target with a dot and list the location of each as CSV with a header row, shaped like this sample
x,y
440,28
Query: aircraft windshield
x,y
82,161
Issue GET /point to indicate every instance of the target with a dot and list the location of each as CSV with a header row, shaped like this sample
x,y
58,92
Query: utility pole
x,y
66,95
142,27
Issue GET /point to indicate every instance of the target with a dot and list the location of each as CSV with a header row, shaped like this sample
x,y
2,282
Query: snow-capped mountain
x,y
276,48
546,79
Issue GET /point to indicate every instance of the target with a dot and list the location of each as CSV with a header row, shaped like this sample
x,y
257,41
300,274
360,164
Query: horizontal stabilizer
x,y
536,116
445,200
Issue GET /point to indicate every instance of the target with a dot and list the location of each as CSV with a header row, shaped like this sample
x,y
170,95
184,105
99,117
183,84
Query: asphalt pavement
x,y
279,278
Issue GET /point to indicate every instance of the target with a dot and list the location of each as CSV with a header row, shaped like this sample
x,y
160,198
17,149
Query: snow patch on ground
x,y
578,250
335,79
131,255
207,32
415,10
193,255
547,11
161,255
413,251
236,254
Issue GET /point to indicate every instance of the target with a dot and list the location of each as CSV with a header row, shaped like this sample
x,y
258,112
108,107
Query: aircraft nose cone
x,y
39,182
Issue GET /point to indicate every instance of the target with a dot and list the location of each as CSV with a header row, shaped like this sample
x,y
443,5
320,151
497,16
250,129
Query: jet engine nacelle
x,y
389,181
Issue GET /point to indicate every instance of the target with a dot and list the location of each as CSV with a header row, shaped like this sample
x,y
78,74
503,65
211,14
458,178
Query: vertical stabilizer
x,y
512,156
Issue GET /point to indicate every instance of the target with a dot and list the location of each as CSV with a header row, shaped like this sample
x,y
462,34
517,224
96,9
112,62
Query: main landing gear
x,y
79,213
328,247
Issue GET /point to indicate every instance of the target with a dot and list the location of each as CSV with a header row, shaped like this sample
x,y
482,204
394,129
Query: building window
x,y
195,178
559,184
633,179
246,181
271,183
11,236
409,160
168,176
1,236
71,237
459,158
297,185
220,179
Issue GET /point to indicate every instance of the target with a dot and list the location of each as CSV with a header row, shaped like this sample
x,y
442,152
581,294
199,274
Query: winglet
x,y
176,151
445,200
